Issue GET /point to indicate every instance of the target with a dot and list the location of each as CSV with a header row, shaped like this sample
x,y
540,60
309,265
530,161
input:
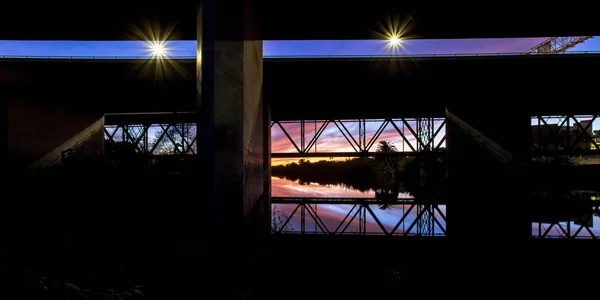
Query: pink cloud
x,y
286,188
332,139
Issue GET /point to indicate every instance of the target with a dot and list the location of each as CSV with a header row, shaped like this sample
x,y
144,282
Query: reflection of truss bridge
x,y
155,139
575,227
361,218
564,135
425,133
566,154
361,135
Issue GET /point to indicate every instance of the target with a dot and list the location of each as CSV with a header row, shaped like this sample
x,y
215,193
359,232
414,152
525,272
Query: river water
x,y
333,214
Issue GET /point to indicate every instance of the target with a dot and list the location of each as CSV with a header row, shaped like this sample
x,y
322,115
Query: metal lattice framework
x,y
425,132
430,216
573,137
416,135
557,45
574,228
564,135
155,139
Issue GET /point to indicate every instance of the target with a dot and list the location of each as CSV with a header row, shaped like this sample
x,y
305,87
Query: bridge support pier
x,y
488,205
233,138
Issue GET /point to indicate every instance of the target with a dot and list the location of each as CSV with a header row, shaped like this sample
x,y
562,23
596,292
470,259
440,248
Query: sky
x,y
331,139
282,48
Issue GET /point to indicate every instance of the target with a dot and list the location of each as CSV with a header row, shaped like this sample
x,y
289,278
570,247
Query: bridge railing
x,y
362,217
191,57
407,217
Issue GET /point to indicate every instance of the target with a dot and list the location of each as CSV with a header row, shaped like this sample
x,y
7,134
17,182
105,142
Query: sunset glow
x,y
332,139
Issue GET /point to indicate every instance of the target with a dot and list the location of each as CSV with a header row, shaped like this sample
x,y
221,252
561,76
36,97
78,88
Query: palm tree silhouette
x,y
388,175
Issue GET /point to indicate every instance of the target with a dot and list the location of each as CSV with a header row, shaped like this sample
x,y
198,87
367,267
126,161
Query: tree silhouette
x,y
387,170
387,175
278,221
176,140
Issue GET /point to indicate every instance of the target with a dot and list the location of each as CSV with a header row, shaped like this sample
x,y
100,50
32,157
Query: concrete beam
x,y
300,19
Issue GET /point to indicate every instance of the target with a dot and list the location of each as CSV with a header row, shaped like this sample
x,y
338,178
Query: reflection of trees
x,y
356,173
278,218
388,176
425,177
387,173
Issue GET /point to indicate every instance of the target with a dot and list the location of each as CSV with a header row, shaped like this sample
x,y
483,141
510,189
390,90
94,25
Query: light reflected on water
x,y
333,214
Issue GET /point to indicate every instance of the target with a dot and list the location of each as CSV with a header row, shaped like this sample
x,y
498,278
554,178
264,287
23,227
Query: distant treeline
x,y
390,174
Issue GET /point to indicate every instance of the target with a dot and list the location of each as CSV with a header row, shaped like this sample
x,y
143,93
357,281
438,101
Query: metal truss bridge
x,y
552,136
410,218
578,227
413,136
567,135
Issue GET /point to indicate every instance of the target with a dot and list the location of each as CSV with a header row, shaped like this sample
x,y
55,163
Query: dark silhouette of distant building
x,y
555,137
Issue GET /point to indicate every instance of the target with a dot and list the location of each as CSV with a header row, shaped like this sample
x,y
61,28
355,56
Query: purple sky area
x,y
282,48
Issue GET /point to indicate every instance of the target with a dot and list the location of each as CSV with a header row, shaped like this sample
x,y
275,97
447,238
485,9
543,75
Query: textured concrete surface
x,y
231,120
487,196
35,129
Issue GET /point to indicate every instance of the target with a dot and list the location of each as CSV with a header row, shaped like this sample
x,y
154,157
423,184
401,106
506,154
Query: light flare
x,y
161,63
394,32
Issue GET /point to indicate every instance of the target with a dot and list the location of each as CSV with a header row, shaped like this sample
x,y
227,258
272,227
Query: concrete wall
x,y
36,129
487,197
253,127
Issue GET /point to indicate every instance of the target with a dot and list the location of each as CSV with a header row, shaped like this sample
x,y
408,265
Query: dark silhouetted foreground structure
x,y
90,212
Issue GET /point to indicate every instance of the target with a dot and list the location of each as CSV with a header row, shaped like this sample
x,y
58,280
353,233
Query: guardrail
x,y
54,57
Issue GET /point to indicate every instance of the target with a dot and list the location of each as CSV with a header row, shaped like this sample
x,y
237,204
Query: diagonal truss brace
x,y
361,210
565,231
138,140
361,143
564,123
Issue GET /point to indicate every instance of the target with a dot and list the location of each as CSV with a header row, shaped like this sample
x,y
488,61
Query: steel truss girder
x,y
137,134
567,144
424,135
565,230
361,209
557,45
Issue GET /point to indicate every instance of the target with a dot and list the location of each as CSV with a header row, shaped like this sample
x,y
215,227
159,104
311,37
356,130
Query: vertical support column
x,y
231,129
487,199
267,164
489,204
231,143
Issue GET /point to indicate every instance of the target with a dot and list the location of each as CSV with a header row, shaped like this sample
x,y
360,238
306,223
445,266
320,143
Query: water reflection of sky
x,y
333,214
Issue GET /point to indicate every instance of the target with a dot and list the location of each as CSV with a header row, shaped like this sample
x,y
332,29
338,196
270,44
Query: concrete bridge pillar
x,y
233,127
489,203
487,195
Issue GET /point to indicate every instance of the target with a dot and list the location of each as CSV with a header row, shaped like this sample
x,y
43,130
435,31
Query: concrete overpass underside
x,y
296,20
233,185
323,88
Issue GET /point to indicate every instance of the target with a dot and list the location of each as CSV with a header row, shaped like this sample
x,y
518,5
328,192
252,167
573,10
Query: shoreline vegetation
x,y
387,176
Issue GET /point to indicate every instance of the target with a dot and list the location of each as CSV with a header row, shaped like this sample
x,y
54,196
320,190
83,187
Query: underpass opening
x,y
359,177
565,165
